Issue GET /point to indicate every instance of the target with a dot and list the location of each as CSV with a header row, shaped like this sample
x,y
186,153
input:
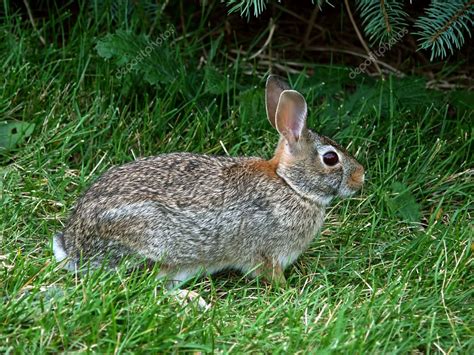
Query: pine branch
x,y
383,20
441,28
245,7
452,20
385,15
444,25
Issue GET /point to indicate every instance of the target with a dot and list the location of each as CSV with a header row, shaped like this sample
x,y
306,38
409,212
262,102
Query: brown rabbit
x,y
196,213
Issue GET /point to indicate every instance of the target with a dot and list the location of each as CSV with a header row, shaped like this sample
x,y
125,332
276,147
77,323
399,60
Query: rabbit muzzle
x,y
353,183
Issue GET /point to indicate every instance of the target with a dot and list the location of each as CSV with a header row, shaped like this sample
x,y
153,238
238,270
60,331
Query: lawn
x,y
391,271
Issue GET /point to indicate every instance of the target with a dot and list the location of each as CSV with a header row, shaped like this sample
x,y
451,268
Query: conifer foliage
x,y
441,28
445,25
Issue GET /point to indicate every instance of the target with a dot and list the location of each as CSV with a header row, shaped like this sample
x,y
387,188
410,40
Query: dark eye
x,y
330,158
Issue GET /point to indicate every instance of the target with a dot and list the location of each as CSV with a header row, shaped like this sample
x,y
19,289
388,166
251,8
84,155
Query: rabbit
x,y
196,214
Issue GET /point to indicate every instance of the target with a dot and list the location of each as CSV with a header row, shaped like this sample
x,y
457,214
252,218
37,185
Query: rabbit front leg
x,y
271,271
174,279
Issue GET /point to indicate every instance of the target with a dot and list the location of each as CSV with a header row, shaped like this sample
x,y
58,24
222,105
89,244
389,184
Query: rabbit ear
x,y
275,86
290,115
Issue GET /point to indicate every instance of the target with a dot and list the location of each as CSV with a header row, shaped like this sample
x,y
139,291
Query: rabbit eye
x,y
330,158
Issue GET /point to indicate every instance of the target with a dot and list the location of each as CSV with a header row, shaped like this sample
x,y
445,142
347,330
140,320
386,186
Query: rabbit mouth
x,y
346,191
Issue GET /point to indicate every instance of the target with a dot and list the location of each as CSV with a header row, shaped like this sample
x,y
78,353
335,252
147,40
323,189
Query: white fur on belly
x,y
288,259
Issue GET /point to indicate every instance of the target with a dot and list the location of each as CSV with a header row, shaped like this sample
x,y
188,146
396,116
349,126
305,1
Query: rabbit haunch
x,y
194,213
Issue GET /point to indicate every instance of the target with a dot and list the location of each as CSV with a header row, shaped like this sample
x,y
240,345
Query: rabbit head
x,y
313,165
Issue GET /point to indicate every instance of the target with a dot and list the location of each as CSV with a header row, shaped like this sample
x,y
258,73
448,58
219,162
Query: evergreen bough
x,y
440,29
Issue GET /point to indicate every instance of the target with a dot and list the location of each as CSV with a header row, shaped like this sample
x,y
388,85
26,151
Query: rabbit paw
x,y
184,297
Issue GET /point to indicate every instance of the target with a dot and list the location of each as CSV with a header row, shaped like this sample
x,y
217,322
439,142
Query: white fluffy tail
x,y
58,247
60,252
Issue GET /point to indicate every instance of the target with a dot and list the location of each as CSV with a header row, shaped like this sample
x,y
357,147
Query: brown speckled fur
x,y
194,213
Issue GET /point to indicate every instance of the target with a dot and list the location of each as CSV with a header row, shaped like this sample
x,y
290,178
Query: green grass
x,y
392,270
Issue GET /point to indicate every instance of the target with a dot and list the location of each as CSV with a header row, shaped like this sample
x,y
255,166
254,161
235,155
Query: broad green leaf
x,y
403,203
13,133
149,58
105,47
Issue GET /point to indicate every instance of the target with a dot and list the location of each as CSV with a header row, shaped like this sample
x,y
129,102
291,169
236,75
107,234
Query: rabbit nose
x,y
356,179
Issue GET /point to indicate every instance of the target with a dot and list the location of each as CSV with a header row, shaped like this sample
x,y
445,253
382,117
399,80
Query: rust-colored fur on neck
x,y
269,167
